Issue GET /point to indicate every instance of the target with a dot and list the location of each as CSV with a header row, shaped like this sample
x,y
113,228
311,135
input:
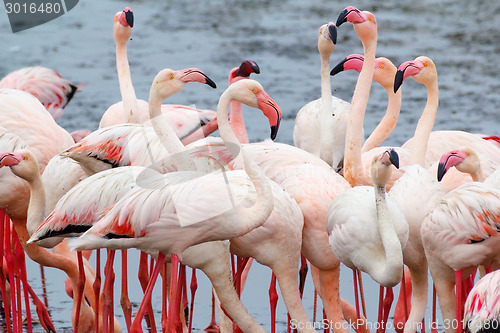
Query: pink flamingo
x,y
460,233
372,238
183,119
244,91
384,75
52,90
482,307
323,120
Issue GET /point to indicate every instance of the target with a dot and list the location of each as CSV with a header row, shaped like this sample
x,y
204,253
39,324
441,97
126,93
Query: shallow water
x,y
461,37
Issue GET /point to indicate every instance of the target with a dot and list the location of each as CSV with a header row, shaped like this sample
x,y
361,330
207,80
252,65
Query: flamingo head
x,y
384,68
168,82
422,69
327,39
22,163
122,29
464,159
380,170
365,24
251,93
246,68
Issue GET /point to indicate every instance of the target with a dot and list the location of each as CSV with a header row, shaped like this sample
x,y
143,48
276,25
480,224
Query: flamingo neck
x,y
238,123
389,270
388,122
353,170
126,88
36,208
256,215
166,134
425,125
326,133
477,175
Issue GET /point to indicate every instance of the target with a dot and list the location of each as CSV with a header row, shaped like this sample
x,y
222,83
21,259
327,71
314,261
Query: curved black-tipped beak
x,y
246,68
274,131
210,82
342,18
441,171
332,30
398,80
339,67
129,17
394,158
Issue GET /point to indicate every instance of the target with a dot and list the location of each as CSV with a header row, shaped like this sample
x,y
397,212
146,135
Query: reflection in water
x,y
461,37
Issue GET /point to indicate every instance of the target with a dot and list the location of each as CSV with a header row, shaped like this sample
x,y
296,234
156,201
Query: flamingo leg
x,y
124,299
356,297
96,286
79,292
106,296
388,299
273,299
9,258
361,292
315,304
459,300
434,312
19,268
173,308
136,324
212,327
144,280
193,286
178,298
3,289
41,310
164,295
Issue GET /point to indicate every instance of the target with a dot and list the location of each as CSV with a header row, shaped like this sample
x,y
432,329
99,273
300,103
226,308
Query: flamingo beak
x,y
9,159
447,161
332,30
394,158
398,80
342,18
196,75
354,61
246,68
129,17
271,110
442,169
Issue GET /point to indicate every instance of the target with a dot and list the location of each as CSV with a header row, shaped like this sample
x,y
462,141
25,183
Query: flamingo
x,y
52,90
482,307
384,75
372,238
244,91
460,233
323,120
183,119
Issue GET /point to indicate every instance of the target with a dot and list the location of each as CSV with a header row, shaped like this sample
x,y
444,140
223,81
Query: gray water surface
x,y
462,37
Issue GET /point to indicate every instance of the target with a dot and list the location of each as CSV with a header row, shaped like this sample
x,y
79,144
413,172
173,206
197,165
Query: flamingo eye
x,y
255,91
468,154
25,158
425,64
369,19
171,76
381,66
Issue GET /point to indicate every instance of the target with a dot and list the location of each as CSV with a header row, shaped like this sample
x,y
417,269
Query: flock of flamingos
x,y
151,178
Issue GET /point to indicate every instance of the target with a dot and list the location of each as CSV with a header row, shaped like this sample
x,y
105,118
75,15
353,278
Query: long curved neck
x,y
36,208
388,122
326,133
237,122
353,170
386,272
257,214
425,125
126,88
166,134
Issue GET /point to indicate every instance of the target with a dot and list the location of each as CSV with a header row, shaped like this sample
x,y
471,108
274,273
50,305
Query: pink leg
x,y
136,324
459,300
241,263
315,305
9,258
144,280
106,296
22,274
388,299
273,299
212,327
404,302
164,294
434,316
41,310
361,292
193,287
3,290
124,299
79,292
173,309
380,309
17,269
356,297
96,286
326,330
181,287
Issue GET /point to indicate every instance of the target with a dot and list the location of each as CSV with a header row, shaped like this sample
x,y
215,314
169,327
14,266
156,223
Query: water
x,y
461,37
